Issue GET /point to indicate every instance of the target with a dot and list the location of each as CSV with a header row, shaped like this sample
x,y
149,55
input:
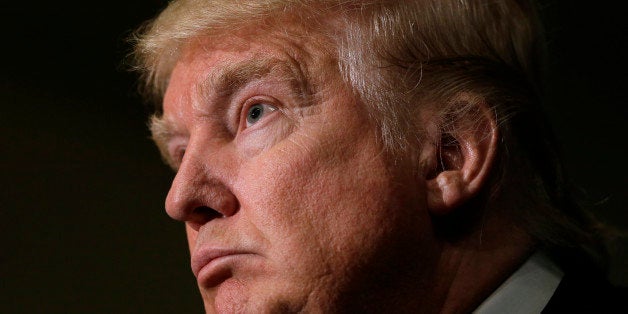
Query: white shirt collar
x,y
527,290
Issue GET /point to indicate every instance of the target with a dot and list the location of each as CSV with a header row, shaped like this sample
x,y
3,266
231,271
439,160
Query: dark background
x,y
82,224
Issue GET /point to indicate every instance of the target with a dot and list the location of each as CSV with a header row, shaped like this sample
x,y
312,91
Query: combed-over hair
x,y
385,48
400,55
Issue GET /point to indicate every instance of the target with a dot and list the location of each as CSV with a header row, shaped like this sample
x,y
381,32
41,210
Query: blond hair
x,y
399,55
378,42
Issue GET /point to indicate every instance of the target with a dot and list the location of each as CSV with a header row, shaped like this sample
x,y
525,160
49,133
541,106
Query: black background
x,y
82,225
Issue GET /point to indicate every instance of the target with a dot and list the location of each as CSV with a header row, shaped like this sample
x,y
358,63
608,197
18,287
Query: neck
x,y
471,269
466,272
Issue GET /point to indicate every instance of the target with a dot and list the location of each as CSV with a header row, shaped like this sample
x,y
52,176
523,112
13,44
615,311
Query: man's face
x,y
290,201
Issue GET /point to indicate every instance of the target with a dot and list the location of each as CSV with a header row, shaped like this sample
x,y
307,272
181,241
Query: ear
x,y
458,159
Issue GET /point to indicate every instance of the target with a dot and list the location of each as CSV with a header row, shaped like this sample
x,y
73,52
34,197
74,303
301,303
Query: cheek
x,y
259,139
325,202
320,204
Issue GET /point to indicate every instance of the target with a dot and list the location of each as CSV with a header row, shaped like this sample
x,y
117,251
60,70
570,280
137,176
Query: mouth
x,y
211,266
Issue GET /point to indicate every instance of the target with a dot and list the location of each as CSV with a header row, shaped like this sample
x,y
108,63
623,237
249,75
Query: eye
x,y
257,112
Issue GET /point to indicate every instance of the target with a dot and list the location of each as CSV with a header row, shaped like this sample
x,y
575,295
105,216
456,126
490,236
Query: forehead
x,y
291,47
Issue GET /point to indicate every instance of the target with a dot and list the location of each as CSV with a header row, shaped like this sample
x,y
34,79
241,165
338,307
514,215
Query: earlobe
x,y
445,192
461,156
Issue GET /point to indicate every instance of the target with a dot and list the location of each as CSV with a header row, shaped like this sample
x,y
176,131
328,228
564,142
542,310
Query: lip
x,y
205,257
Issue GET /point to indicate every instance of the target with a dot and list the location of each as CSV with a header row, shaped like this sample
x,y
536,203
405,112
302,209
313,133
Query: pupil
x,y
255,112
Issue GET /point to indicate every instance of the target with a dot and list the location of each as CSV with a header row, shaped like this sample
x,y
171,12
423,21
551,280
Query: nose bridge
x,y
199,191
183,190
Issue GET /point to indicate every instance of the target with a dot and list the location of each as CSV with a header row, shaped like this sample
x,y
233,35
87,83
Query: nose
x,y
199,193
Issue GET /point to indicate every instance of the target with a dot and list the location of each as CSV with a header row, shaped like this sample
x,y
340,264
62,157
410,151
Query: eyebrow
x,y
220,86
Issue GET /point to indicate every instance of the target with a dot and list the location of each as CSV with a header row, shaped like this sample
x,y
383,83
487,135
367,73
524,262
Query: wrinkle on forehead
x,y
221,85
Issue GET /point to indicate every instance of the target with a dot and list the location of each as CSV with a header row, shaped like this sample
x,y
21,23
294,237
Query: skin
x,y
303,208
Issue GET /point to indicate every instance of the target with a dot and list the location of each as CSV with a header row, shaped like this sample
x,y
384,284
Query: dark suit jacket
x,y
587,293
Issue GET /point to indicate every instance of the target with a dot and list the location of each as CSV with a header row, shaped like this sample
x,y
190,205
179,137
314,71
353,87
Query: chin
x,y
233,296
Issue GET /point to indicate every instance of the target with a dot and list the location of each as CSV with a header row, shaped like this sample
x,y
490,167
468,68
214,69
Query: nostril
x,y
207,213
202,215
